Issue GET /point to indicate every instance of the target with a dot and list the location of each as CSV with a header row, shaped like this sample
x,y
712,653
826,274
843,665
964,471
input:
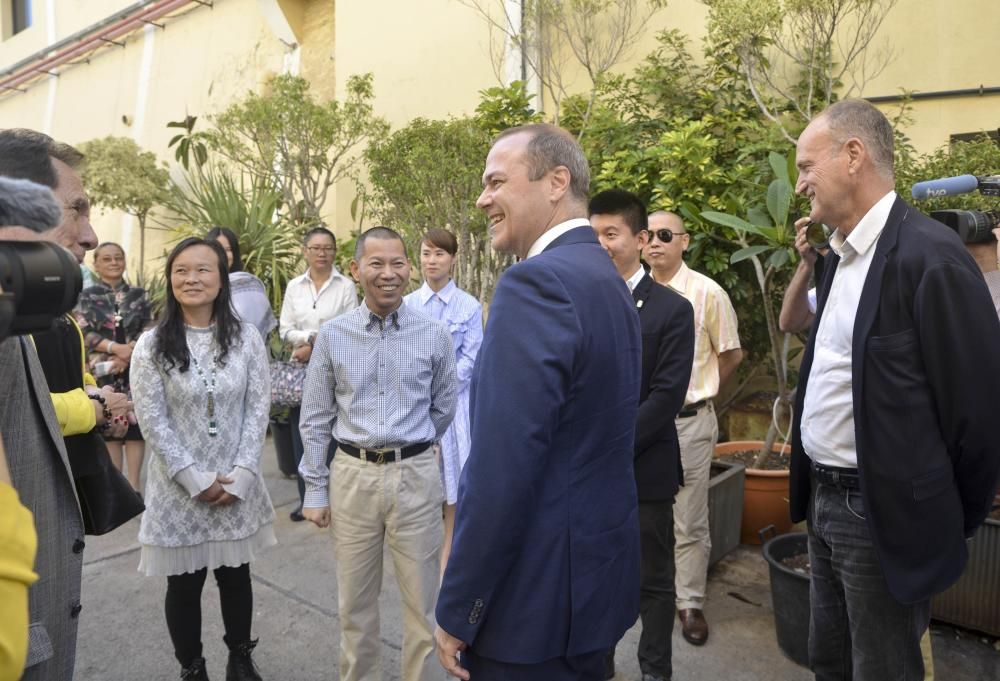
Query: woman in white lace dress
x,y
201,390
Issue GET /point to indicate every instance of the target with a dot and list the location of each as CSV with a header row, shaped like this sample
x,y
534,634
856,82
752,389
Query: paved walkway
x,y
123,634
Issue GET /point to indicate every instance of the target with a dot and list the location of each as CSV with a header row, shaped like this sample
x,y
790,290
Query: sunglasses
x,y
664,235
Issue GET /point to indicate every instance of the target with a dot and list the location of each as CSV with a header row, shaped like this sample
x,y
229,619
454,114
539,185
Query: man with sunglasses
x,y
717,353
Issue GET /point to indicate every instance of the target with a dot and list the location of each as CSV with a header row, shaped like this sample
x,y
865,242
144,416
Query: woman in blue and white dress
x,y
202,393
441,300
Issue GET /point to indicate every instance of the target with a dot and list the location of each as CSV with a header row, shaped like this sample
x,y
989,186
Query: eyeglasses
x,y
315,250
664,235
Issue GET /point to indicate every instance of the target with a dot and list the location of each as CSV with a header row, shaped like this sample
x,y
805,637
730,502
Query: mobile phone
x,y
818,235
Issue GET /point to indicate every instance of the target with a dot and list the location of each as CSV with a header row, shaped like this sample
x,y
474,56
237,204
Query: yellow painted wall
x,y
430,58
943,45
198,65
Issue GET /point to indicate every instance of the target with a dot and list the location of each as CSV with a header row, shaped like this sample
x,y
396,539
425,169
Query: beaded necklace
x,y
209,384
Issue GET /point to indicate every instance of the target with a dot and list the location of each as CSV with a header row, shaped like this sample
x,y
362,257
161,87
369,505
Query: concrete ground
x,y
123,634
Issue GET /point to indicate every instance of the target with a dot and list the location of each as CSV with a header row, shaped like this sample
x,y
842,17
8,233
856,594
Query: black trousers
x,y
183,608
657,592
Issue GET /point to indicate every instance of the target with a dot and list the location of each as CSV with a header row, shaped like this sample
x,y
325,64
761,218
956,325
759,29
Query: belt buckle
x,y
380,456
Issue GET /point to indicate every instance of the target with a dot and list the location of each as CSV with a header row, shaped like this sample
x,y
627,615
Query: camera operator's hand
x,y
118,365
996,233
806,252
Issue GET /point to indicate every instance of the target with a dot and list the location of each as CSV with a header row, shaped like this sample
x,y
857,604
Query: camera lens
x,y
818,235
43,279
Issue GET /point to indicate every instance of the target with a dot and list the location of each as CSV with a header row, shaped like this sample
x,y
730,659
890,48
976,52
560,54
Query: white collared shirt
x,y
304,308
553,233
828,411
634,280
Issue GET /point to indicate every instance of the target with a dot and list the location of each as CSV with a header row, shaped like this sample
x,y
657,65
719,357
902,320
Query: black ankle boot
x,y
240,666
195,671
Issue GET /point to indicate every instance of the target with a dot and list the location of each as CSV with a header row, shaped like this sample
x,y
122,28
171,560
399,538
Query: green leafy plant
x,y
285,138
188,143
429,174
217,196
767,241
120,175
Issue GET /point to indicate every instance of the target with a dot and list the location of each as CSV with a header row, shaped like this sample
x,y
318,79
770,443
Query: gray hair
x,y
550,147
27,204
859,118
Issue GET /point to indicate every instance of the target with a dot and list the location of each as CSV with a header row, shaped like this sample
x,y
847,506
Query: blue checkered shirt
x,y
374,383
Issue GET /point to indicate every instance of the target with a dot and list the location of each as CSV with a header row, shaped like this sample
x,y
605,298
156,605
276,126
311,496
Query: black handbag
x,y
107,500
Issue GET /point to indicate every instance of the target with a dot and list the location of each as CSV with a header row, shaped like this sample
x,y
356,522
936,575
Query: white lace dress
x,y
178,533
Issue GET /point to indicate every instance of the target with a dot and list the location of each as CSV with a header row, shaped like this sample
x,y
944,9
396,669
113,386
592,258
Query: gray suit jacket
x,y
42,477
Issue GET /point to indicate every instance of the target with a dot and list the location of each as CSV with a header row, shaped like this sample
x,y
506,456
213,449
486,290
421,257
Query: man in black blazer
x,y
895,457
667,322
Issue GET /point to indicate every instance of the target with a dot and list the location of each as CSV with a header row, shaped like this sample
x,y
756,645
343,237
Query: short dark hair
x,y
378,232
234,245
441,238
550,147
171,340
25,154
622,203
318,230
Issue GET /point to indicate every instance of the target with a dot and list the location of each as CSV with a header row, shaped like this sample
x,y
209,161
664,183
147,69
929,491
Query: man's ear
x,y
356,270
559,179
856,153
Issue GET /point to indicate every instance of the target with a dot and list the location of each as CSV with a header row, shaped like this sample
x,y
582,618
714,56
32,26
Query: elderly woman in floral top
x,y
112,315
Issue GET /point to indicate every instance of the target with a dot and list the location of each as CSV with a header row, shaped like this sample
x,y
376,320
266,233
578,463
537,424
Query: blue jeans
x,y
858,631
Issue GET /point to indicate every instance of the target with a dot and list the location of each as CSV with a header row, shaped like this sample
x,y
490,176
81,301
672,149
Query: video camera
x,y
972,226
40,280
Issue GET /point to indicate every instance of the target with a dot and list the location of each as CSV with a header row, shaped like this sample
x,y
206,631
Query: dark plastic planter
x,y
789,597
725,508
974,600
281,432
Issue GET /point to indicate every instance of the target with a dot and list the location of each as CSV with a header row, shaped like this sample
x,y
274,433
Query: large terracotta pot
x,y
765,495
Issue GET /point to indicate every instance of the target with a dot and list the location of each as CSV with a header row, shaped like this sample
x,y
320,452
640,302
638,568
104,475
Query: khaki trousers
x,y
697,436
397,505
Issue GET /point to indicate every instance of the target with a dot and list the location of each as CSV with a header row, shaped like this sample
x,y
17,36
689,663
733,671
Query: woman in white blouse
x,y
440,299
318,295
201,390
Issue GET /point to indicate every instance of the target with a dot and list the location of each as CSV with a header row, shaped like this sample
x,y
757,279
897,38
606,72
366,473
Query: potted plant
x,y
767,240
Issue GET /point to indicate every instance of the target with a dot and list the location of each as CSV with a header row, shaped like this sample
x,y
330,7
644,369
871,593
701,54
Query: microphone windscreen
x,y
946,186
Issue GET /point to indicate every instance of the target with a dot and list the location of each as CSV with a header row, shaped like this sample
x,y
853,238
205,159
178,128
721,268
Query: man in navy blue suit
x,y
667,322
544,571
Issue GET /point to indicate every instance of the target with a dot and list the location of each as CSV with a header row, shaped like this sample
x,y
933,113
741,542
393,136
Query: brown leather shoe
x,y
693,626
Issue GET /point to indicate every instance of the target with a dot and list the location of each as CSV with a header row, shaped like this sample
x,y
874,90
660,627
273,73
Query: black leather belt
x,y
689,410
389,455
844,478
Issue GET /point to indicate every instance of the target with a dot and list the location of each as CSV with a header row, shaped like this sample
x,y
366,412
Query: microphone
x,y
948,186
26,204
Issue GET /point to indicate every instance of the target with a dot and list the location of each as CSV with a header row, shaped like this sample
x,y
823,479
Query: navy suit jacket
x,y
545,557
667,321
926,384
